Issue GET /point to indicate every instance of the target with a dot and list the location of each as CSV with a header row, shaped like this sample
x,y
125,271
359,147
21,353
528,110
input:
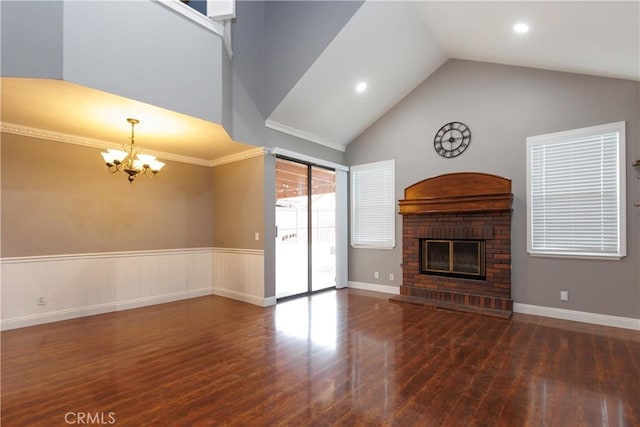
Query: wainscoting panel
x,y
87,284
239,274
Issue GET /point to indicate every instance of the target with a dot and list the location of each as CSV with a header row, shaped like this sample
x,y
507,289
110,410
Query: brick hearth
x,y
459,206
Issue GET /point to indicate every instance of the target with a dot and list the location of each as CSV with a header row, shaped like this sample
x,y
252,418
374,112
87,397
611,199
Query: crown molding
x,y
243,155
272,124
54,136
93,143
104,145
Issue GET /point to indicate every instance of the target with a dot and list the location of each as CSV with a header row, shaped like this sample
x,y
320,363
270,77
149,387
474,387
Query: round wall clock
x,y
452,139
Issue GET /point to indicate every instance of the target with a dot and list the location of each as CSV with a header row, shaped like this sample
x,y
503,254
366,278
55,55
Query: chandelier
x,y
130,160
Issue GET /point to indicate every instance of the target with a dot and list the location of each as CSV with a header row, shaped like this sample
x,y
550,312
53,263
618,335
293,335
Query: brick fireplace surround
x,y
459,206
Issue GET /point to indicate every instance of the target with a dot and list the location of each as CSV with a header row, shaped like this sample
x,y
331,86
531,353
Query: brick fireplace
x,y
457,243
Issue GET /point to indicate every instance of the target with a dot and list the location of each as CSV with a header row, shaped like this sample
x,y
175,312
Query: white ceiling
x,y
394,46
385,44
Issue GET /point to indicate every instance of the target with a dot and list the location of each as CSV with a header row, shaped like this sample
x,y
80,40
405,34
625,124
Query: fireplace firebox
x,y
455,258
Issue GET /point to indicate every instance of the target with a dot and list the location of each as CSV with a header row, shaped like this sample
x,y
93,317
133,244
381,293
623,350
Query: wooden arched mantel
x,y
457,192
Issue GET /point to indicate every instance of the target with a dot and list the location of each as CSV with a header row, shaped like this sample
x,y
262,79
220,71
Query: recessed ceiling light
x,y
361,87
521,28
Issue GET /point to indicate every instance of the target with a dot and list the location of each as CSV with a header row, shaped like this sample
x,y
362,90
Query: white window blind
x,y
373,205
576,193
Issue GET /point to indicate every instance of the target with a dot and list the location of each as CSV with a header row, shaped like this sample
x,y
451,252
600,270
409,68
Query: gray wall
x,y
248,73
31,39
144,51
120,47
250,86
269,226
297,33
249,114
227,93
503,105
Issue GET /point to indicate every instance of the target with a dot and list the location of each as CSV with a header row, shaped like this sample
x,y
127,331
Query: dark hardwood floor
x,y
346,358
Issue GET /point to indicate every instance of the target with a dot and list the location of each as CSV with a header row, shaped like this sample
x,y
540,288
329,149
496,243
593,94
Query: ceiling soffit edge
x,y
272,124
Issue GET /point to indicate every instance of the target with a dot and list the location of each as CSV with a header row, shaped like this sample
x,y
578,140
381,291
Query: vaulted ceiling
x,y
394,46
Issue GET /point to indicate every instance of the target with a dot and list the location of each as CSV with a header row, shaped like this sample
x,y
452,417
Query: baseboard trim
x,y
239,296
578,316
394,290
73,313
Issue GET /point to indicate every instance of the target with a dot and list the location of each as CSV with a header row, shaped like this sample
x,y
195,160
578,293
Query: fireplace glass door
x,y
438,255
453,257
466,257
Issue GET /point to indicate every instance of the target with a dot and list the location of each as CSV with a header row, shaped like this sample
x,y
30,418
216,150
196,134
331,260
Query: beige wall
x,y
59,199
238,208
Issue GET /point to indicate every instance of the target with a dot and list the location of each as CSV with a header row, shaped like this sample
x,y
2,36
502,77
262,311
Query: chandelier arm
x,y
114,167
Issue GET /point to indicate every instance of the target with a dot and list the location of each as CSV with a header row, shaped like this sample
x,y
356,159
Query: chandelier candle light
x,y
130,160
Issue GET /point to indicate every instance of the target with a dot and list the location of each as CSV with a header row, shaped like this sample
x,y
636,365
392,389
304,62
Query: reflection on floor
x,y
340,358
310,318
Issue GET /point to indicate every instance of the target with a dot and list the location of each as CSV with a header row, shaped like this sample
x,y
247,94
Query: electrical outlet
x,y
41,300
376,275
564,295
256,237
391,277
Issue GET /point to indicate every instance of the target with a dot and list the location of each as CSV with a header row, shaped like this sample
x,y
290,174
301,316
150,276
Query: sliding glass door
x,y
305,228
292,236
323,228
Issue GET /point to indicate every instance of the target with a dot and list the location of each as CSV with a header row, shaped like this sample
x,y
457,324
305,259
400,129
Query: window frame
x,y
390,204
575,136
